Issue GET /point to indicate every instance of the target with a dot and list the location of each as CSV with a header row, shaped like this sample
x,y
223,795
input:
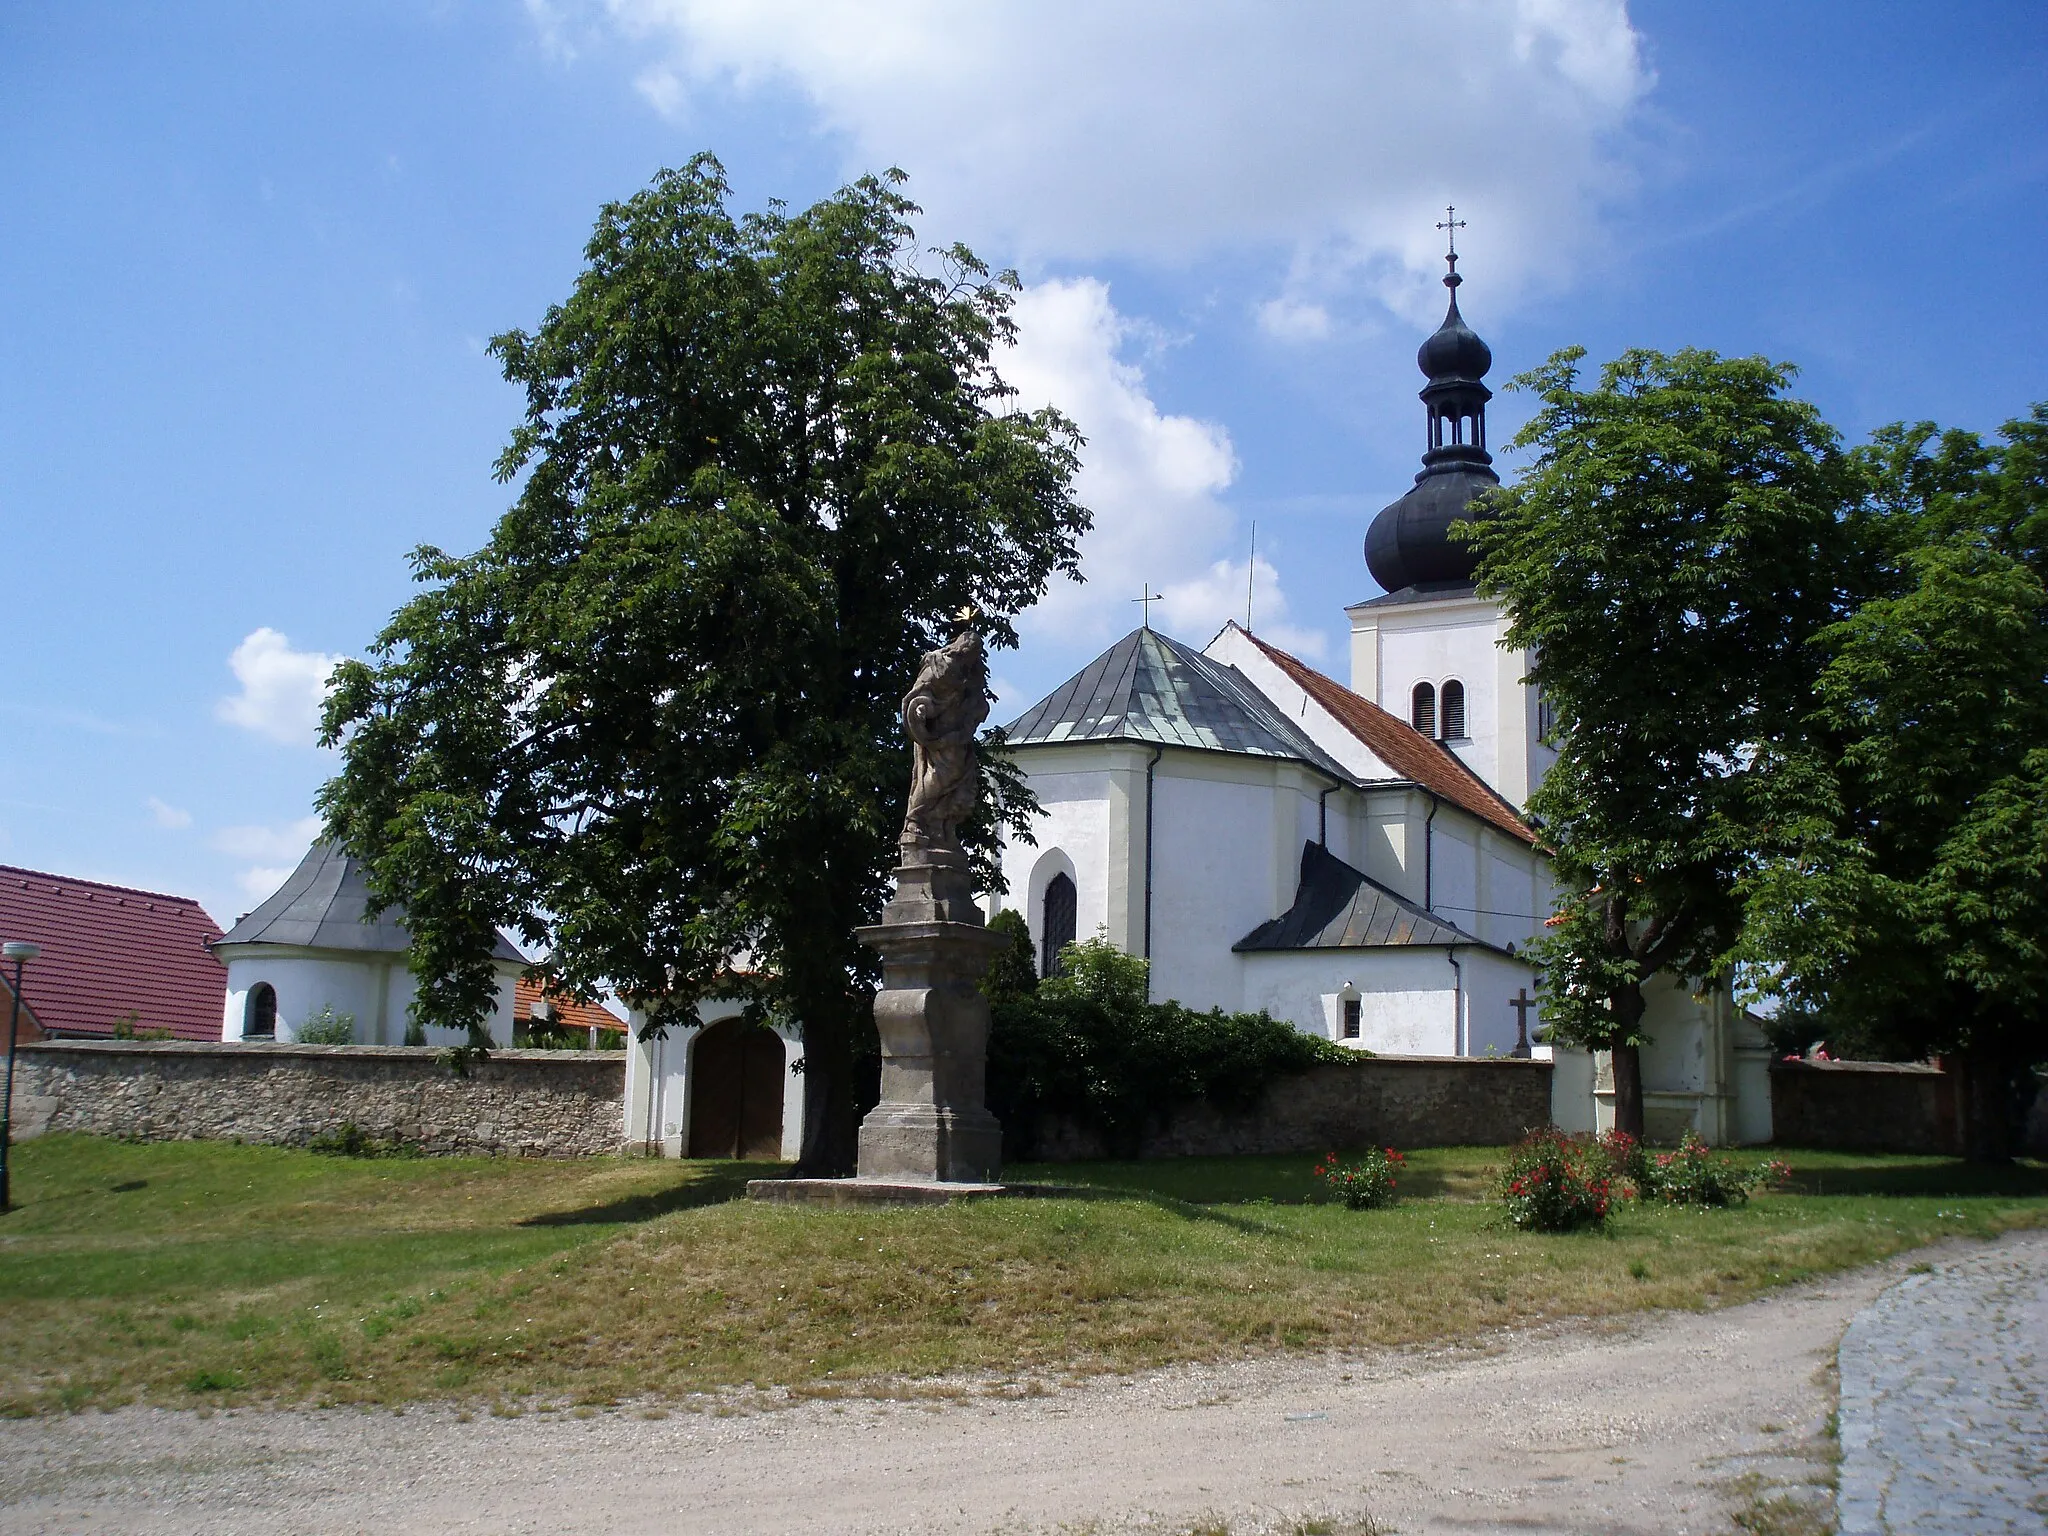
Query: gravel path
x,y
1945,1399
1652,1425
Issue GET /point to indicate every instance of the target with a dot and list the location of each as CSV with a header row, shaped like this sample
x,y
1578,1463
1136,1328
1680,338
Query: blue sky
x,y
250,256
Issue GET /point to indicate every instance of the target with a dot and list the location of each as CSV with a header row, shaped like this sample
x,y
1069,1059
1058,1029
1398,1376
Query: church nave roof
x,y
1150,688
1399,745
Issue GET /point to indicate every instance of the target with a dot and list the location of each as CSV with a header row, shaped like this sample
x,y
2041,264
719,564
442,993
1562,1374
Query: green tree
x,y
1901,908
1666,558
652,725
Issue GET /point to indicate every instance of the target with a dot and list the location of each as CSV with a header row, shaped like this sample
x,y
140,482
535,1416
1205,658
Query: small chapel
x,y
1352,859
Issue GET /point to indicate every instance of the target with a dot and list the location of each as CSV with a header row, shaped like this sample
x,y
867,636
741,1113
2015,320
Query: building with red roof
x,y
535,1007
115,960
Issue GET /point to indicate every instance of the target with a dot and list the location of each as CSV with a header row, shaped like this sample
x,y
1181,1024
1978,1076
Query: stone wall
x,y
522,1103
1404,1101
1863,1106
1880,1106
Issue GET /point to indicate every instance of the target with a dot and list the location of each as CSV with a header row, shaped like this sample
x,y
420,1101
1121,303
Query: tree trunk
x,y
1627,1004
1628,1089
1988,1100
831,1129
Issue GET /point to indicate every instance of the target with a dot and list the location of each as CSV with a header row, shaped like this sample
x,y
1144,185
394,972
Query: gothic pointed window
x,y
1454,710
259,1013
1422,709
1057,927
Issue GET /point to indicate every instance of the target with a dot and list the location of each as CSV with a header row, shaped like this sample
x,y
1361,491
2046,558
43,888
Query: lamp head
x,y
19,950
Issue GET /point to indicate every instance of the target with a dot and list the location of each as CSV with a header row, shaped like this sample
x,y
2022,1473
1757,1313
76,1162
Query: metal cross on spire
x,y
1148,600
1450,224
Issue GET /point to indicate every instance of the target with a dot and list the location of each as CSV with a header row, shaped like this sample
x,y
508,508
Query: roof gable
x,y
1338,907
111,952
1150,688
1399,745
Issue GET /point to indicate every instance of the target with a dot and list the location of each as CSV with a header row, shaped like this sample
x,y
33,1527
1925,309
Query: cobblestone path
x,y
1945,1400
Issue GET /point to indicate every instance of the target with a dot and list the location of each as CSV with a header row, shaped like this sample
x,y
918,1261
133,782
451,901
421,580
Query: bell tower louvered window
x,y
1422,709
1454,710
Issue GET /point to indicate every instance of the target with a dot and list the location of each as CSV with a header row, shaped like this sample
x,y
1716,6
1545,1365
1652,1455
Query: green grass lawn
x,y
198,1273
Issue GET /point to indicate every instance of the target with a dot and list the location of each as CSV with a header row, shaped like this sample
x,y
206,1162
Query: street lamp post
x,y
20,953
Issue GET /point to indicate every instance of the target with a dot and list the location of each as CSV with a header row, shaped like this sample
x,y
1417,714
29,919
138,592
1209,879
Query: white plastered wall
x,y
657,1108
1229,832
1092,829
1395,647
377,989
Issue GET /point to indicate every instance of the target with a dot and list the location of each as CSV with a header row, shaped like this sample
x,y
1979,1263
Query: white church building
x,y
1351,859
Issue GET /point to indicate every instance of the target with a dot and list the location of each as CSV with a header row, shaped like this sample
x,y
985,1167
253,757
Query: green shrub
x,y
1557,1183
327,1028
1366,1184
1086,1044
1014,971
1691,1175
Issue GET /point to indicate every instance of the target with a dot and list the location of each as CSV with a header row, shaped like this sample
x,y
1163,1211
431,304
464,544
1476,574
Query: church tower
x,y
1427,650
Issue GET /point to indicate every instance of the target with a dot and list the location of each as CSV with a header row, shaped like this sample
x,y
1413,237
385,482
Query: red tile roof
x,y
109,951
1401,747
568,1012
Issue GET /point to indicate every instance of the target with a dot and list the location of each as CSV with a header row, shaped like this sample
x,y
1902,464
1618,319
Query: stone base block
x,y
869,1191
926,1142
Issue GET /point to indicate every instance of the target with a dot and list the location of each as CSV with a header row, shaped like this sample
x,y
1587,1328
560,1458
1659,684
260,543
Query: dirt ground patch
x,y
1667,1422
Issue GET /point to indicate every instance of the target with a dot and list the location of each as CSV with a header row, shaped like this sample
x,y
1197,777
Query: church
x,y
1351,859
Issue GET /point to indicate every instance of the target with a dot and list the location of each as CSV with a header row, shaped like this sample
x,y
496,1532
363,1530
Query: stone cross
x,y
1522,1002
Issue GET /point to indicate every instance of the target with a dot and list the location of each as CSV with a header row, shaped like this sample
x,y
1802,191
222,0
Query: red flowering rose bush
x,y
1366,1183
1557,1183
1690,1175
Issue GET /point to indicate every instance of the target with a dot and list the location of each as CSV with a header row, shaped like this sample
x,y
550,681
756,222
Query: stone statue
x,y
942,712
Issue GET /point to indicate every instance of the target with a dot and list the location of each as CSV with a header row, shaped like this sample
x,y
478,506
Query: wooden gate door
x,y
736,1092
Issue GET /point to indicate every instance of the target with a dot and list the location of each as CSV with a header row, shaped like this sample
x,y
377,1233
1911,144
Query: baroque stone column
x,y
932,1122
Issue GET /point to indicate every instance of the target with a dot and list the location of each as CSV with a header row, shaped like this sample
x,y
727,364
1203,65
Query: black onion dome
x,y
1409,544
1454,351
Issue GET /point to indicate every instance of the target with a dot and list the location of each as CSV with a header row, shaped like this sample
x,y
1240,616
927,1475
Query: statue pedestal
x,y
932,1123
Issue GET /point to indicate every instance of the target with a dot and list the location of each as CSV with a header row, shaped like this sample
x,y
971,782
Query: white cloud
x,y
169,817
273,852
1294,320
282,689
272,844
1152,479
1070,128
1196,608
258,882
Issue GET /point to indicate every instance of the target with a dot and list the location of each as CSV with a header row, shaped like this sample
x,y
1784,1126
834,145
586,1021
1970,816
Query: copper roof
x,y
1150,688
1401,747
113,953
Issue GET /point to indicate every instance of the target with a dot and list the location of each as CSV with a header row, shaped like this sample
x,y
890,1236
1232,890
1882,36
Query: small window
x,y
259,1013
1546,719
1454,710
1422,709
1353,1014
1057,930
